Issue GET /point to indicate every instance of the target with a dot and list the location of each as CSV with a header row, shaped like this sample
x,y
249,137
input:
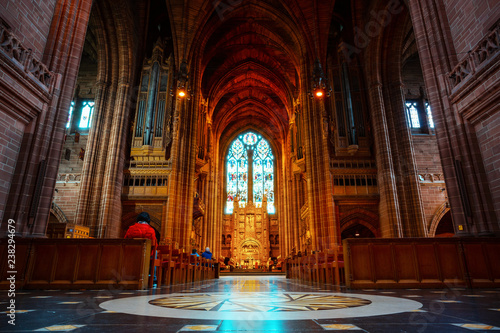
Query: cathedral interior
x,y
259,129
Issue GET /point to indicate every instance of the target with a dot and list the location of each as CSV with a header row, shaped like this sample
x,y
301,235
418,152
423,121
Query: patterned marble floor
x,y
255,304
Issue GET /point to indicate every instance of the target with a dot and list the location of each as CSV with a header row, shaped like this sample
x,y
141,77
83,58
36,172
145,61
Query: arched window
x,y
250,147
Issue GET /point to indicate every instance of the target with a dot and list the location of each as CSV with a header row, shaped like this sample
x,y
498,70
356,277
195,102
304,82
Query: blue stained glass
x,y
237,172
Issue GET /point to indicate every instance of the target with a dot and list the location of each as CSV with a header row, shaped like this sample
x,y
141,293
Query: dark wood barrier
x,y
422,262
20,252
79,263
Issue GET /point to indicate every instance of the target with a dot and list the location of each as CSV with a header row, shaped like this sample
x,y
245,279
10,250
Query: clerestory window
x,y
419,116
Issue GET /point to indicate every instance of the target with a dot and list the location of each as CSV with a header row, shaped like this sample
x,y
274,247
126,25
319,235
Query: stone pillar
x,y
86,210
111,206
319,187
179,217
390,217
407,185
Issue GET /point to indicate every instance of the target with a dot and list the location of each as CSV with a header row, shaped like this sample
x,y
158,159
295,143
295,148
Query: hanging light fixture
x,y
183,90
319,83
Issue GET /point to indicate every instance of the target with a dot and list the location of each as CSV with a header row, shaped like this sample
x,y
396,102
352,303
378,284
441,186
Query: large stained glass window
x,y
246,147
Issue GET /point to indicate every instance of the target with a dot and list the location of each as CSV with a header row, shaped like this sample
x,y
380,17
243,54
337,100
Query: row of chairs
x,y
325,267
174,266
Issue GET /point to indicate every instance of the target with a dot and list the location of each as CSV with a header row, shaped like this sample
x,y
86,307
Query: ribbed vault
x,y
250,69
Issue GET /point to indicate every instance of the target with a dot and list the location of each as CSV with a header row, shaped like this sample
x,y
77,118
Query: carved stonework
x,y
250,226
23,57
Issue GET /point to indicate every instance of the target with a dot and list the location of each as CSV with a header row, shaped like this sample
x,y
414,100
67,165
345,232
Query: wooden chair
x,y
180,269
155,265
194,268
335,265
167,264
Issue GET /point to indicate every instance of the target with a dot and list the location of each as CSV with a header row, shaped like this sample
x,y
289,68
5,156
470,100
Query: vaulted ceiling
x,y
250,56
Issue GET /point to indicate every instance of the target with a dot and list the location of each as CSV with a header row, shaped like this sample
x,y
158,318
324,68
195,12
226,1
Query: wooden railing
x,y
422,262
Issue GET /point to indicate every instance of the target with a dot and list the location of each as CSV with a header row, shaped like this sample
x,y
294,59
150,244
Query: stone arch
x,y
357,222
437,217
362,217
58,213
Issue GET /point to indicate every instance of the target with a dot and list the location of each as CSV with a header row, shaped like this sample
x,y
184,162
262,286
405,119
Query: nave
x,y
256,304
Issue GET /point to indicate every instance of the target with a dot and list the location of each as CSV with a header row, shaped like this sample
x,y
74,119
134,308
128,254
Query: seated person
x,y
142,229
207,254
194,252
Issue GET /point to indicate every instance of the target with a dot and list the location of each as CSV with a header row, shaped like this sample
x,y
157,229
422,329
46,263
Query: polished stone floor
x,y
255,304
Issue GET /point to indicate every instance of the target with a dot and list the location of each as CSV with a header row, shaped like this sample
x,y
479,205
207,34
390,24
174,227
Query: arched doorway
x,y
445,226
357,230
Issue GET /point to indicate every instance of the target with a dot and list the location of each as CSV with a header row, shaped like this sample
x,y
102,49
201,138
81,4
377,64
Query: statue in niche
x,y
250,219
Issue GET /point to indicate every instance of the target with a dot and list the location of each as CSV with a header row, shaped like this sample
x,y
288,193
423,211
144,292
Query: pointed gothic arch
x,y
250,152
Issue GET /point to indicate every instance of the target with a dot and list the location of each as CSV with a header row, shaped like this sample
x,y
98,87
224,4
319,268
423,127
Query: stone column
x,y
321,212
390,216
410,200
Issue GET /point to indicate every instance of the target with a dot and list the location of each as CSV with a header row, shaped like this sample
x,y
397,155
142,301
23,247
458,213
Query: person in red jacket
x,y
142,229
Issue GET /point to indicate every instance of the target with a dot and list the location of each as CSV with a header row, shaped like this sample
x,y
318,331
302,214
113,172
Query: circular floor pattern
x,y
253,302
261,305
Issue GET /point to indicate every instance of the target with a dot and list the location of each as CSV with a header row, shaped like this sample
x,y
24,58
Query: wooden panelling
x,y
361,259
384,270
406,263
65,263
483,262
422,262
22,247
427,263
88,263
88,257
42,263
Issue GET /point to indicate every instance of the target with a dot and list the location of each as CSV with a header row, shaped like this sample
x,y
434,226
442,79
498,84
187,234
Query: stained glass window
x,y
238,168
416,112
87,108
412,109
